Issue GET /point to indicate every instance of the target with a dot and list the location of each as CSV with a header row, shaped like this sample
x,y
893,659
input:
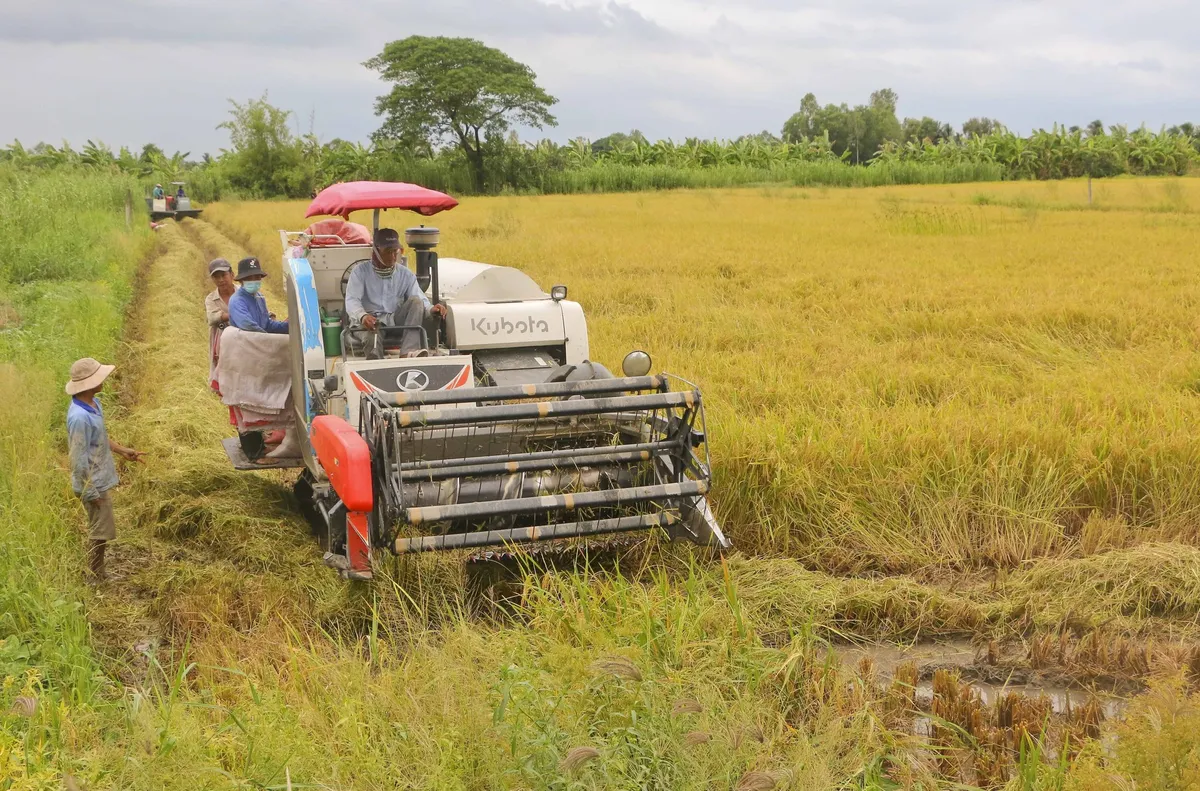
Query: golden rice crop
x,y
979,394
961,376
240,648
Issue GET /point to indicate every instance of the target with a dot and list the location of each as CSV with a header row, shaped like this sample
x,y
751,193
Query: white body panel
x,y
328,265
395,375
454,273
490,307
499,284
575,330
476,325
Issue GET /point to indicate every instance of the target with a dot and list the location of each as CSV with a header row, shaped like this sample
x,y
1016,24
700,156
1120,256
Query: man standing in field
x,y
93,473
216,306
247,308
388,290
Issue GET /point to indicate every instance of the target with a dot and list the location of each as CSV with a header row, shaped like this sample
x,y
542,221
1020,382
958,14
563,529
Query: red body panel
x,y
358,545
347,461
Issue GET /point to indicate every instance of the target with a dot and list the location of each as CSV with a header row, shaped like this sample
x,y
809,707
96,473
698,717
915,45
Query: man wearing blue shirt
x,y
393,291
93,473
247,308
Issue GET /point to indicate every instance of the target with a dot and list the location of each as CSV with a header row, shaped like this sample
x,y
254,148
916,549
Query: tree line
x,y
448,120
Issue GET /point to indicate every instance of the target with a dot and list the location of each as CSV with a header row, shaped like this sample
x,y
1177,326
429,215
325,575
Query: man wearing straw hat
x,y
93,473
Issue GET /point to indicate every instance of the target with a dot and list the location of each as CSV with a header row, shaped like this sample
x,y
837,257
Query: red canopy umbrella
x,y
341,199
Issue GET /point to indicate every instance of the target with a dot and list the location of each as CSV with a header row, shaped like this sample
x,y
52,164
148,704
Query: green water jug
x,y
331,334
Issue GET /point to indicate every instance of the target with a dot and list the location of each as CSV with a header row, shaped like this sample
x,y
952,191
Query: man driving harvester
x,y
384,294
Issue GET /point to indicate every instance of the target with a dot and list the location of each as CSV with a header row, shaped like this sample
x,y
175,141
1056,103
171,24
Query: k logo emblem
x,y
412,379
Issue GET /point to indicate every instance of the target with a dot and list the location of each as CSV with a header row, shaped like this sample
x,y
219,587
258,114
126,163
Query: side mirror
x,y
331,384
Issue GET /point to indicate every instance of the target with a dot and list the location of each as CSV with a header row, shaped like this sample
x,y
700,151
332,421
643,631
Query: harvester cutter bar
x,y
555,502
515,393
570,459
419,468
547,409
485,538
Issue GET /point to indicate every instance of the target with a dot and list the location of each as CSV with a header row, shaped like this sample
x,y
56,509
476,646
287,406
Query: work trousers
x,y
410,312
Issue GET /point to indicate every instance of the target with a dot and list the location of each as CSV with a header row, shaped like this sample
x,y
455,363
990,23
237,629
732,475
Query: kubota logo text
x,y
508,327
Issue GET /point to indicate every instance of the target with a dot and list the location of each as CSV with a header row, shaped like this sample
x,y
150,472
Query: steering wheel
x,y
349,269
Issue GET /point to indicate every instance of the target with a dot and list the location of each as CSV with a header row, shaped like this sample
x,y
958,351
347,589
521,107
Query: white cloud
x,y
130,71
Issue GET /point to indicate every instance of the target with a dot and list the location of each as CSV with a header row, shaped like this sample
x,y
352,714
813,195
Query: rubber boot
x,y
374,346
96,561
288,449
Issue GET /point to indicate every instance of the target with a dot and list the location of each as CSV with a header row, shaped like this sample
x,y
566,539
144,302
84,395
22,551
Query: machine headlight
x,y
558,293
636,363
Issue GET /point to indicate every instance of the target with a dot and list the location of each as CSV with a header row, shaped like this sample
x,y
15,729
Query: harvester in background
x,y
173,202
504,435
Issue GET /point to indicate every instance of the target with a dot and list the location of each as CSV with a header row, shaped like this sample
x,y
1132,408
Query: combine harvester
x,y
172,205
506,434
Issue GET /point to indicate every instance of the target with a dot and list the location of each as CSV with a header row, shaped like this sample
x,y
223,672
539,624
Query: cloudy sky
x,y
131,71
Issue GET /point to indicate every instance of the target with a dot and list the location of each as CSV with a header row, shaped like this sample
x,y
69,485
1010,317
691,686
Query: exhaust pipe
x,y
423,240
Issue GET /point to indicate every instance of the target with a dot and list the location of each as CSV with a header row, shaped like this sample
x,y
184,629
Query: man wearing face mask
x,y
382,287
247,308
254,371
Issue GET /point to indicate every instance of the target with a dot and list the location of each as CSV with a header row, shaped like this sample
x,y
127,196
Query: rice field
x,y
946,418
962,377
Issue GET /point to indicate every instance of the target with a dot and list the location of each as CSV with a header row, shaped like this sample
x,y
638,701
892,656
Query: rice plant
x,y
923,428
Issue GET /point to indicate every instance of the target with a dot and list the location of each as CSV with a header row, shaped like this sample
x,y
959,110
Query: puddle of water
x,y
963,656
1062,699
886,658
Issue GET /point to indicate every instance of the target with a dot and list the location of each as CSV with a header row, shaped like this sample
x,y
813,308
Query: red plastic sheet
x,y
348,232
341,199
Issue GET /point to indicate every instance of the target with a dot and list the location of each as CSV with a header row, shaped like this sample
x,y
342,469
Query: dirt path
x,y
204,550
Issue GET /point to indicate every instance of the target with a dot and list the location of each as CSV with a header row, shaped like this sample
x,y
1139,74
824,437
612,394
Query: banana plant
x,y
579,153
97,155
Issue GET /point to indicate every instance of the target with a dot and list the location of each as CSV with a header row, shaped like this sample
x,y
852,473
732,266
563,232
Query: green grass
x,y
65,278
613,177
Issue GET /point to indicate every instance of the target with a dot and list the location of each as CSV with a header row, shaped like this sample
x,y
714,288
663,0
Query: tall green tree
x,y
979,127
855,134
617,140
803,123
265,158
456,90
921,129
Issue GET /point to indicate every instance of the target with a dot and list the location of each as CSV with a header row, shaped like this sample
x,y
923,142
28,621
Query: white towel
x,y
255,370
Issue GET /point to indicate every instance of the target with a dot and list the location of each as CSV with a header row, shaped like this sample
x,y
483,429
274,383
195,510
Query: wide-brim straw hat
x,y
87,374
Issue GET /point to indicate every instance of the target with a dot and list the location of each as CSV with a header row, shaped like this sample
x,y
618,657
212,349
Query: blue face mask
x,y
252,286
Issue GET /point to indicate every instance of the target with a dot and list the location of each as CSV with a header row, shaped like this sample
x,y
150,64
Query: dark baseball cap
x,y
218,265
387,237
